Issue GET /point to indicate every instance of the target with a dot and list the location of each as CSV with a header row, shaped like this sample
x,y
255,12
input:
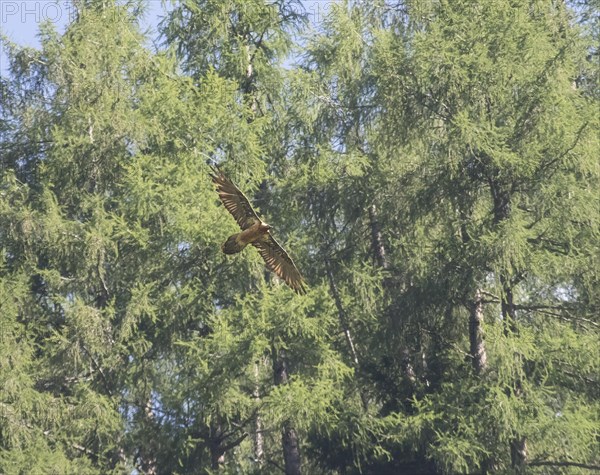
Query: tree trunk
x,y
341,314
217,454
380,258
217,457
508,307
148,457
502,198
408,371
477,348
376,239
289,438
291,450
344,324
248,86
259,448
518,453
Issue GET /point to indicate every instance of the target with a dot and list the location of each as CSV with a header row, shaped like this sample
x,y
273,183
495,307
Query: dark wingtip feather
x,y
215,173
301,289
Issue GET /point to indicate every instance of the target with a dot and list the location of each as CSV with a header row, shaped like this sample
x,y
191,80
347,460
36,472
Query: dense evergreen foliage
x,y
431,165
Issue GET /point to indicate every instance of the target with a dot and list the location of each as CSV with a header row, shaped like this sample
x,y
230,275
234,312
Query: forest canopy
x,y
430,165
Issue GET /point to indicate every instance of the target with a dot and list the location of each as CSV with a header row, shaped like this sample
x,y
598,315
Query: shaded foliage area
x,y
432,168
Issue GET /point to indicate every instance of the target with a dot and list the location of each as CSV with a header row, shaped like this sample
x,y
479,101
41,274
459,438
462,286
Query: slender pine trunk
x,y
345,327
376,239
289,437
148,461
477,347
380,257
259,448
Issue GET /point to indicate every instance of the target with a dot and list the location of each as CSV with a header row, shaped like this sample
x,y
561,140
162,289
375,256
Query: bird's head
x,y
266,227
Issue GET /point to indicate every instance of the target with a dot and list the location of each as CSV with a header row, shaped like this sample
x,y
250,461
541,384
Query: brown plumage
x,y
255,232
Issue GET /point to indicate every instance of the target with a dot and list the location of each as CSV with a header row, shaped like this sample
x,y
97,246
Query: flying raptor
x,y
256,232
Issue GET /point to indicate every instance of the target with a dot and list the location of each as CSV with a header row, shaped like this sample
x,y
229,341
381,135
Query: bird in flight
x,y
256,232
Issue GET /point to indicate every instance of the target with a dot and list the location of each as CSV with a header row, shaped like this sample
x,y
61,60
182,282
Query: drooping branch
x,y
502,200
562,313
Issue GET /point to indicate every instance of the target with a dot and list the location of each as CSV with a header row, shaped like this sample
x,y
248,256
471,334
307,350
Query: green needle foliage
x,y
432,168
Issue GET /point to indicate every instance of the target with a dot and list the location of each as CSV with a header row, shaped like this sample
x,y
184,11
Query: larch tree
x,y
108,258
283,344
480,146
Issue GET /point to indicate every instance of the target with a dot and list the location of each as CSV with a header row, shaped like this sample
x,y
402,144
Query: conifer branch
x,y
566,463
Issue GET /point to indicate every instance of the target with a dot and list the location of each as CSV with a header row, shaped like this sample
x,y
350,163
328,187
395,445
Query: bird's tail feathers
x,y
232,245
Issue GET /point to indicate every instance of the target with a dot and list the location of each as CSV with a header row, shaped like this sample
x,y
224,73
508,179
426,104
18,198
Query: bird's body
x,y
256,232
238,242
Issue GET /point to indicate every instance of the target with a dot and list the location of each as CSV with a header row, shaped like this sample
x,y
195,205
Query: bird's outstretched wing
x,y
234,200
280,262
